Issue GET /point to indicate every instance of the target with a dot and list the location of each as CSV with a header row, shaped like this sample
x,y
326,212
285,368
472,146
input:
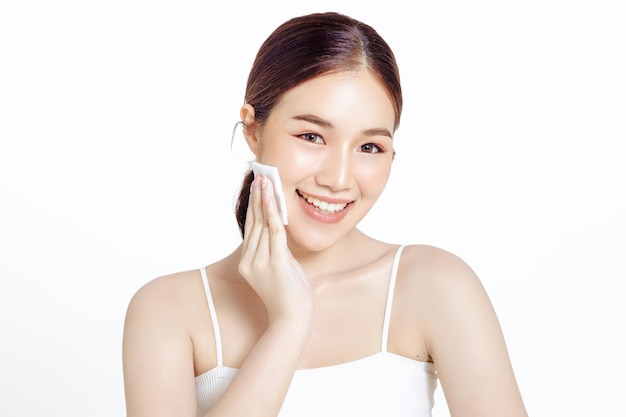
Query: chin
x,y
316,241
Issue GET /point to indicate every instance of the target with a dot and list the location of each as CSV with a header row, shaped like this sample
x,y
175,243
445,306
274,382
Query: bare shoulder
x,y
160,310
436,268
158,348
444,285
165,295
461,332
427,256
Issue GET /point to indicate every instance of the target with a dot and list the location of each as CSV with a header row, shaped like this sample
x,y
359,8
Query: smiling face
x,y
332,141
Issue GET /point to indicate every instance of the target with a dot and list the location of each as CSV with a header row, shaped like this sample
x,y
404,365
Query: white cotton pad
x,y
272,173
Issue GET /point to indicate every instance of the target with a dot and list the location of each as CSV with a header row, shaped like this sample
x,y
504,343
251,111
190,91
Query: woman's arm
x,y
261,384
158,363
158,353
467,345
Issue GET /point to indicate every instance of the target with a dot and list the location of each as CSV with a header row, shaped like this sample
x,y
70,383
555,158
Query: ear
x,y
250,128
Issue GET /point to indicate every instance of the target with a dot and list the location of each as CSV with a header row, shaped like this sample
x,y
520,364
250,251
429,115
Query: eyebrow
x,y
375,131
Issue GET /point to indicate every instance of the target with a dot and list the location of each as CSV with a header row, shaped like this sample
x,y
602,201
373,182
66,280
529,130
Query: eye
x,y
312,137
371,148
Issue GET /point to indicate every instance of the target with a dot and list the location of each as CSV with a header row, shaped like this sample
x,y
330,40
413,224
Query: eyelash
x,y
307,137
379,149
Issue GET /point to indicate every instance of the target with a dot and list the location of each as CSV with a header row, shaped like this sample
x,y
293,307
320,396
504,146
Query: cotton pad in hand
x,y
272,173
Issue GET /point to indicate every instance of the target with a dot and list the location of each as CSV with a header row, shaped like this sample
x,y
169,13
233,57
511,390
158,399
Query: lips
x,y
323,205
322,209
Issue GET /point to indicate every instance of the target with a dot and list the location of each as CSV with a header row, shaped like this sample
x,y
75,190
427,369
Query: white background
x,y
116,167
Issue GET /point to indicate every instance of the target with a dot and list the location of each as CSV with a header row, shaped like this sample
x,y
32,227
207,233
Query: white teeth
x,y
324,205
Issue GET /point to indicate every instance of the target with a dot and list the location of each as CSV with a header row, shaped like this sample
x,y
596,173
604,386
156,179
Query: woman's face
x,y
332,141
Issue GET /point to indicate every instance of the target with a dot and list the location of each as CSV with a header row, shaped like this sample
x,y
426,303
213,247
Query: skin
x,y
278,295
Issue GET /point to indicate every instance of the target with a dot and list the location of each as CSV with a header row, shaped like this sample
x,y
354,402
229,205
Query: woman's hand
x,y
266,262
279,281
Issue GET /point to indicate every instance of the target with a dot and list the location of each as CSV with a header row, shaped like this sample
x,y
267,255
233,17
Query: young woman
x,y
314,318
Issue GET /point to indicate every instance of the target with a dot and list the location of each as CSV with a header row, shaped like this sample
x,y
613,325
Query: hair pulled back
x,y
306,47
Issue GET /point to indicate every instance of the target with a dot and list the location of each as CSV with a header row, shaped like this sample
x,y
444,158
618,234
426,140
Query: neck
x,y
319,264
332,259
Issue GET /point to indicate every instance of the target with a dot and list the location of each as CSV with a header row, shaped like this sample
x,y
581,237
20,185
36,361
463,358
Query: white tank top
x,y
382,384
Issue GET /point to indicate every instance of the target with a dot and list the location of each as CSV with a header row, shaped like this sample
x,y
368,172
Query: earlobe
x,y
250,131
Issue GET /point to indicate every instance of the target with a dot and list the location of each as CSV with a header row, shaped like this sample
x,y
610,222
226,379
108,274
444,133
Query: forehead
x,y
349,98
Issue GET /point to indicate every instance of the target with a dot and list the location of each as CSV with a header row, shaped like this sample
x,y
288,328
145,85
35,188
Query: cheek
x,y
306,161
294,161
373,176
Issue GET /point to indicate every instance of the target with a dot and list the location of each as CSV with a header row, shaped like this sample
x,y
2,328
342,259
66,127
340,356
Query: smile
x,y
323,206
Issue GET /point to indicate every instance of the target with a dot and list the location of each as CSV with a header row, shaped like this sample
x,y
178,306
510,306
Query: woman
x,y
314,318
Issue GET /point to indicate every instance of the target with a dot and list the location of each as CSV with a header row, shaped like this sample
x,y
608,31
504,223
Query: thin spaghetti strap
x,y
216,327
392,286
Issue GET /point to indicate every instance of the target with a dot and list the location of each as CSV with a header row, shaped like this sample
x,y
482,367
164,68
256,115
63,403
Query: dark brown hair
x,y
306,47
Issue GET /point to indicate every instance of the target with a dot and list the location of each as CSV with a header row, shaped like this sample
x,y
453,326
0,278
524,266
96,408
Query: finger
x,y
257,244
248,221
260,226
275,227
253,217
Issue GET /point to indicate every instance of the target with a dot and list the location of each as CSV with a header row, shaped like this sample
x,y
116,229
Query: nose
x,y
335,170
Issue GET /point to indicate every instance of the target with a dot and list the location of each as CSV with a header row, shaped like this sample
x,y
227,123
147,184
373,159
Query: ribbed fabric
x,y
382,384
